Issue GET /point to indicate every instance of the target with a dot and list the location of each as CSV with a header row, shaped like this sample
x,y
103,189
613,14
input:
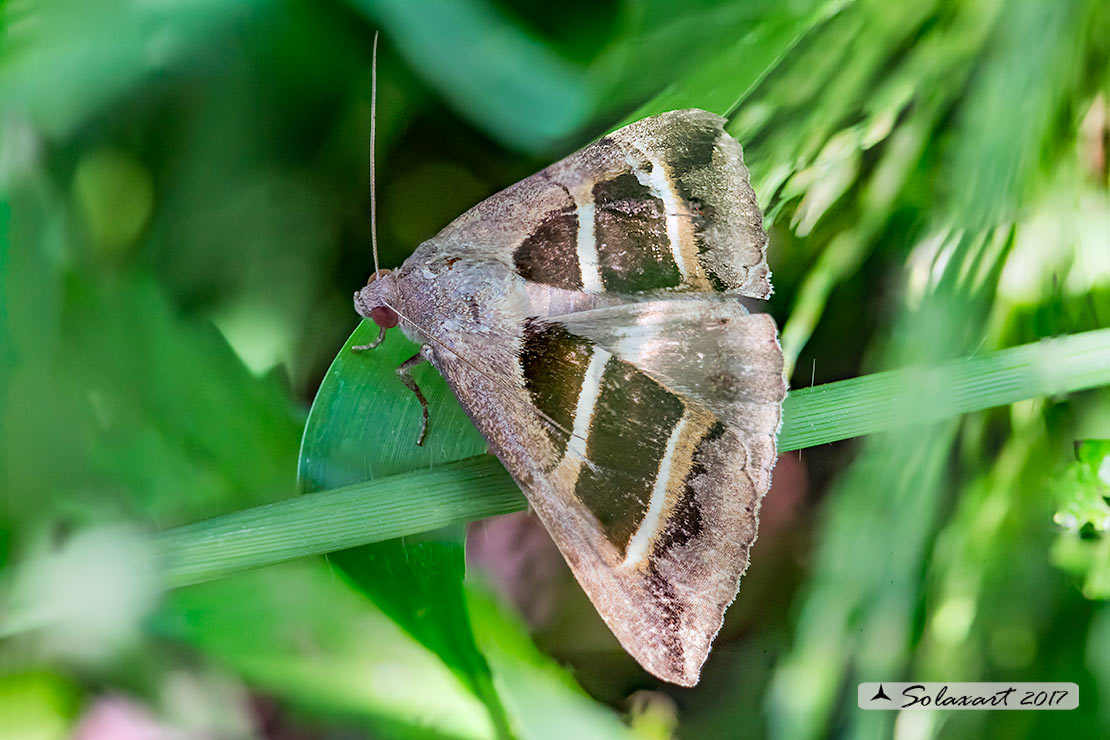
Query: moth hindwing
x,y
588,319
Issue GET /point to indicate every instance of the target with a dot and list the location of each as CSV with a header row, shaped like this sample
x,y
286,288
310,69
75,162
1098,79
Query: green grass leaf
x,y
721,82
363,425
63,61
299,632
541,698
1083,493
123,407
462,48
414,502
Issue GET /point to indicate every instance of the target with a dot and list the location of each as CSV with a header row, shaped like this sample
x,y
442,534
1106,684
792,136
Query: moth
x,y
588,320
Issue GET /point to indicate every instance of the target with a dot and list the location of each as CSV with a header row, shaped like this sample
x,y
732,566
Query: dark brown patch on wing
x,y
715,280
685,521
687,161
631,424
633,249
694,149
671,609
554,364
549,255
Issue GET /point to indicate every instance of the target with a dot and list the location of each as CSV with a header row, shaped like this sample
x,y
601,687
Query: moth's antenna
x,y
373,129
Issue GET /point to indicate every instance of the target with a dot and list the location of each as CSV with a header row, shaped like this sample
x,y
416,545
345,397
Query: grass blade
x,y
478,487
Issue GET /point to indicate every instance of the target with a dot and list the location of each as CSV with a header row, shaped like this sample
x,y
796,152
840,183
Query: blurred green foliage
x,y
1083,491
184,215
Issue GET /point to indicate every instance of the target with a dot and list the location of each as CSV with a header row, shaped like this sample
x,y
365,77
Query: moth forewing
x,y
588,320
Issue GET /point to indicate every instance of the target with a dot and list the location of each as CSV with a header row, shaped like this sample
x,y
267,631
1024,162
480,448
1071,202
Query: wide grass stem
x,y
478,487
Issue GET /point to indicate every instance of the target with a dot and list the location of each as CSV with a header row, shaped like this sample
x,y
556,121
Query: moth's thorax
x,y
439,293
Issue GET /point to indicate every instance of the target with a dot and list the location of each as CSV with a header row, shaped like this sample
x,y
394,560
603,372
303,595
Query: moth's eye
x,y
376,275
384,316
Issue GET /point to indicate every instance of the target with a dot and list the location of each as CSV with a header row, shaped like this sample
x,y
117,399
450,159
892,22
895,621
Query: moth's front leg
x,y
372,345
404,373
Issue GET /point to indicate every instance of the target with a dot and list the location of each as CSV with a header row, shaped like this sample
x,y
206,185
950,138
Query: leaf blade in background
x,y
542,700
345,660
108,389
1083,500
720,83
59,66
1028,77
460,48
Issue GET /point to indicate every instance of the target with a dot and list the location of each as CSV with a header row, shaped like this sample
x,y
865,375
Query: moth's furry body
x,y
588,320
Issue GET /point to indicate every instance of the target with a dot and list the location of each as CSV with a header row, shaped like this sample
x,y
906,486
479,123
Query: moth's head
x,y
373,300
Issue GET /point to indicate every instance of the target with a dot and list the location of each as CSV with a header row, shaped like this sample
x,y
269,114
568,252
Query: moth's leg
x,y
404,372
372,345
